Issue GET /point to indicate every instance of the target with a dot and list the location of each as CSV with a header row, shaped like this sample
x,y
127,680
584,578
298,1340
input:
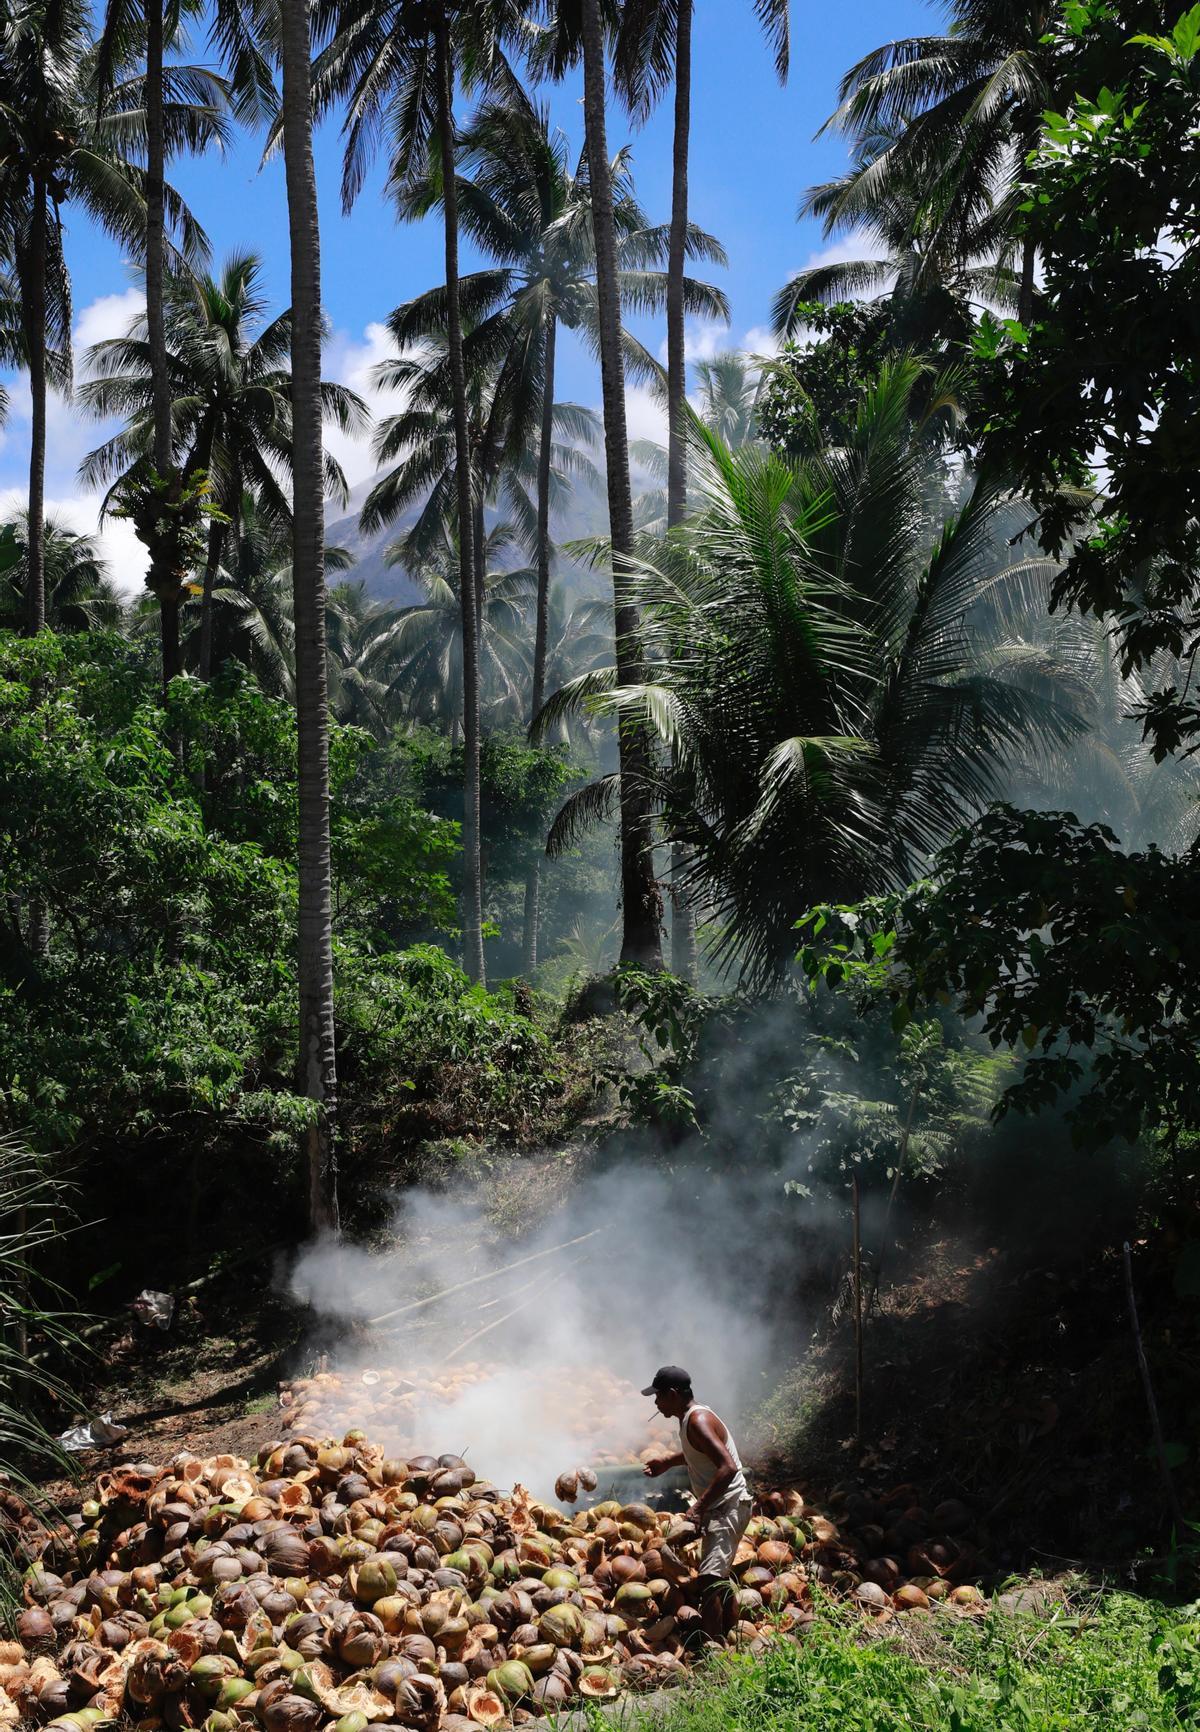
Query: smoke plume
x,y
533,1360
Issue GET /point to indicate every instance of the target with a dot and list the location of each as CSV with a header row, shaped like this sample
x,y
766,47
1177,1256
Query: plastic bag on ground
x,y
154,1309
96,1433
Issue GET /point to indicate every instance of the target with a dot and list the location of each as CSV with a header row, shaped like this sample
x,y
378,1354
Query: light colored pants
x,y
722,1531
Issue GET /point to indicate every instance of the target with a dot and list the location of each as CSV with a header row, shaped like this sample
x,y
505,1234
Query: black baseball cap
x,y
669,1377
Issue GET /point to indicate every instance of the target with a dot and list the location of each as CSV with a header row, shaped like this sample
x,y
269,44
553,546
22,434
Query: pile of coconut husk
x,y
399,1404
333,1589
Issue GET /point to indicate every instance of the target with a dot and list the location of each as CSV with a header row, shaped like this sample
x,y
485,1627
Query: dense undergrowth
x,y
1095,1662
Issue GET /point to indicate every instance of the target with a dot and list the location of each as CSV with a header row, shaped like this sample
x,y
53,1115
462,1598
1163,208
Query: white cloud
x,y
857,244
352,362
703,339
760,340
706,339
70,435
119,546
108,316
645,413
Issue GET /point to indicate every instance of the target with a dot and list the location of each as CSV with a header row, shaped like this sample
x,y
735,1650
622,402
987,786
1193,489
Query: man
x,y
722,1498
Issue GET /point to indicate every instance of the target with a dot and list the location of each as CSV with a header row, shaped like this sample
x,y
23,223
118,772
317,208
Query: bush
x,y
1092,1666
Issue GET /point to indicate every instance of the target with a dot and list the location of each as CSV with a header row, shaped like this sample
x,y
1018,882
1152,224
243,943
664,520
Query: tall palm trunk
x,y
541,634
1028,279
683,917
212,564
156,329
34,299
163,580
472,870
537,696
676,262
318,1063
641,903
479,553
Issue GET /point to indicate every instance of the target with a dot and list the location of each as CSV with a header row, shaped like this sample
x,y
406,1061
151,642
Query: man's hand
x,y
658,1464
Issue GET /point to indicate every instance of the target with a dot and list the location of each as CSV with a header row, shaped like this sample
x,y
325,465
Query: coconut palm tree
x,y
1109,775
423,649
940,257
728,392
318,1048
580,641
60,144
144,31
356,629
955,115
654,47
80,595
572,33
252,604
422,448
12,336
395,66
726,402
228,378
527,205
827,689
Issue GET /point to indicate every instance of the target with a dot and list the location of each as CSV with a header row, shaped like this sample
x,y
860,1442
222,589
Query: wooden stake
x,y
1160,1448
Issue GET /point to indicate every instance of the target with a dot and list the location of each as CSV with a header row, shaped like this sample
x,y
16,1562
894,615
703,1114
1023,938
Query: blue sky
x,y
753,153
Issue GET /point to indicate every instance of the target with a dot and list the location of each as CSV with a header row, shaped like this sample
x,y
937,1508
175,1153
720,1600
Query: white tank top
x,y
701,1470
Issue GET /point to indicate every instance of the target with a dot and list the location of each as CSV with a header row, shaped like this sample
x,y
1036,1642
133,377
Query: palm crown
x,y
230,390
831,685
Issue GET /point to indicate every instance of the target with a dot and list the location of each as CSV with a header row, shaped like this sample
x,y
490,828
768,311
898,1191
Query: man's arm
x,y
661,1463
710,1437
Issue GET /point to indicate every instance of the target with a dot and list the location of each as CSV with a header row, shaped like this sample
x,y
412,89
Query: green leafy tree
x,y
811,391
109,1035
1078,957
1104,374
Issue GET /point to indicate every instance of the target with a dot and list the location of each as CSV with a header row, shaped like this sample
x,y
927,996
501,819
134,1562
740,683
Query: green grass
x,y
1097,1663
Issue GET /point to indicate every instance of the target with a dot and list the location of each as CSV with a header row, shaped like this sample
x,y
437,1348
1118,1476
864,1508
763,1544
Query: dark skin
x,y
707,1434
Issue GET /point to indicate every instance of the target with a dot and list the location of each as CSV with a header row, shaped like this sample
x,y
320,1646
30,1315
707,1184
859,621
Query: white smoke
x,y
533,1360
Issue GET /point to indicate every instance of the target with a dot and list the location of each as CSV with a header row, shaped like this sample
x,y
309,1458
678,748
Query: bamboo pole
x,y
475,1280
495,1324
